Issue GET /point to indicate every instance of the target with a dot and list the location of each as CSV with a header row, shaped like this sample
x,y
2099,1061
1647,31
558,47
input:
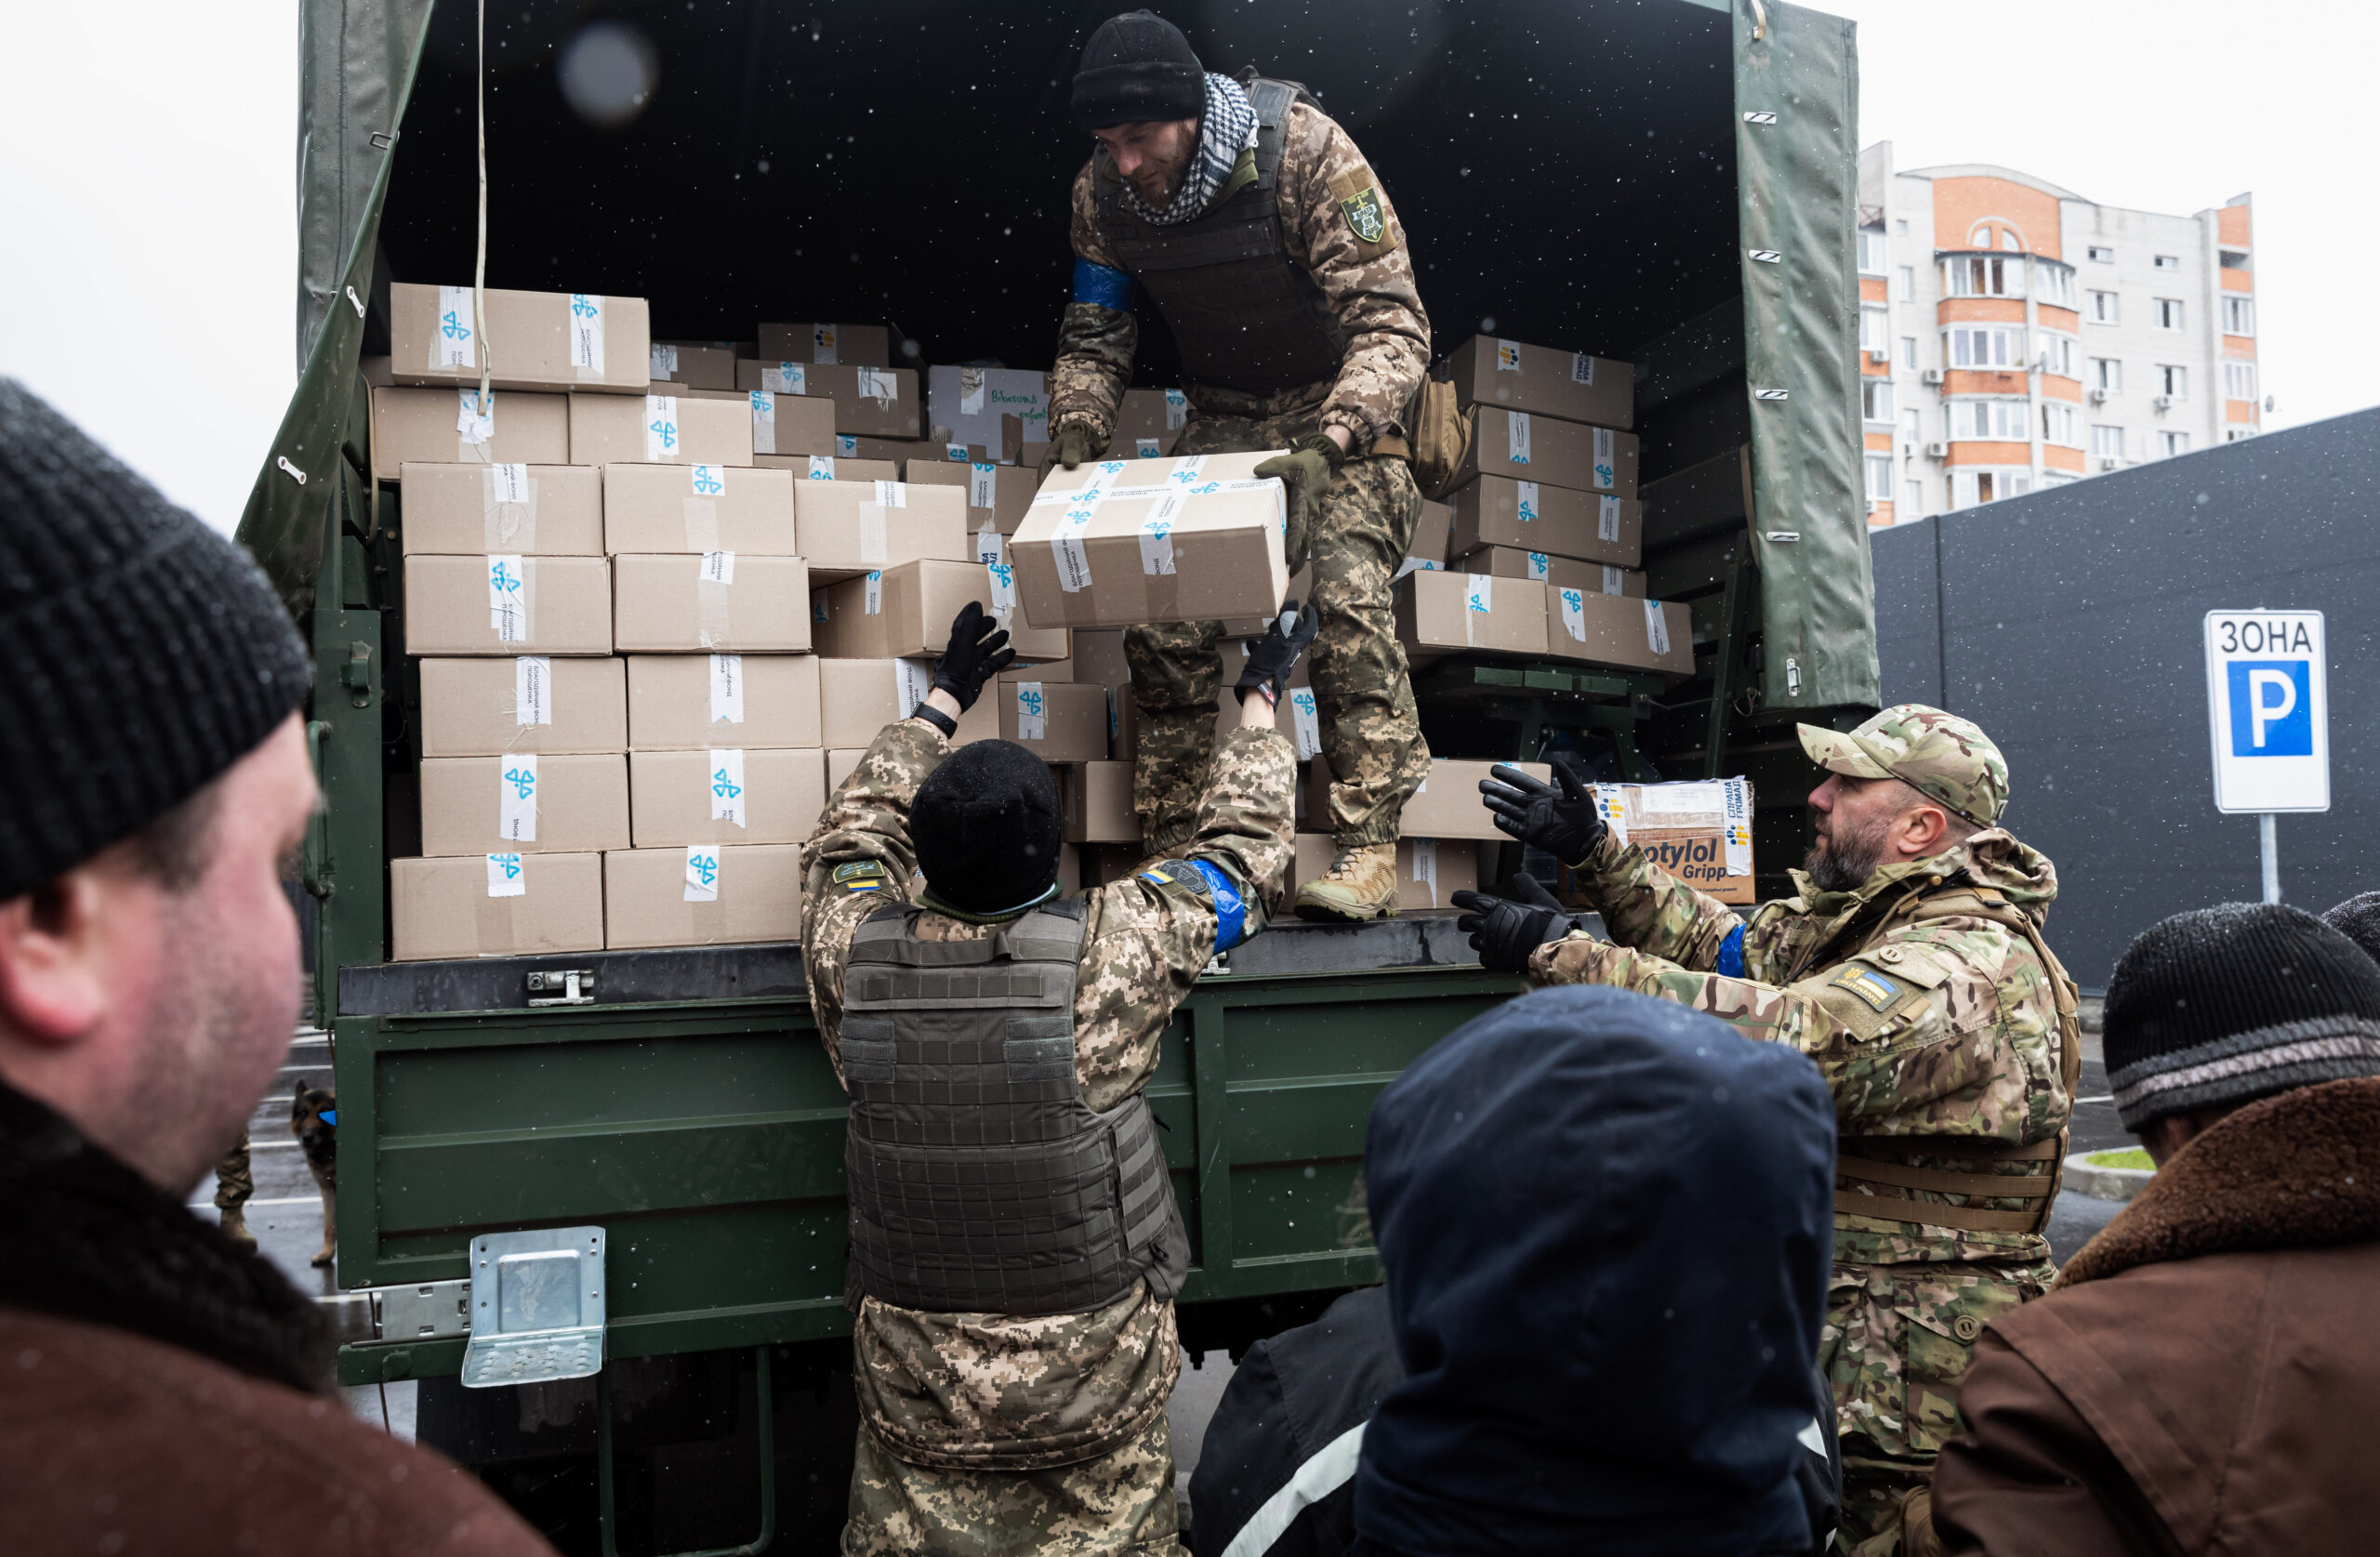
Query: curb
x,y
2084,1177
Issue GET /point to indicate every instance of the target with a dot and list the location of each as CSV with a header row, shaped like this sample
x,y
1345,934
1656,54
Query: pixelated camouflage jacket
x,y
1369,287
994,1391
1927,1020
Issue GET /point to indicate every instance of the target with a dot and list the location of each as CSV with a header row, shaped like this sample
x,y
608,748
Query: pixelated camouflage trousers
x,y
234,1183
1895,1347
1122,1501
1363,696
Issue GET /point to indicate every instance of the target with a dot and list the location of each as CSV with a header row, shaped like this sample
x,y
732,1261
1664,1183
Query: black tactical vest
x,y
1246,315
979,1182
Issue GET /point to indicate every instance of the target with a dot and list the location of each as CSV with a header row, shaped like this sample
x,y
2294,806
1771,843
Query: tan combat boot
x,y
235,1227
1362,885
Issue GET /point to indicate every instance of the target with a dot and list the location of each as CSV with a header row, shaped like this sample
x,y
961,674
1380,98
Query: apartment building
x,y
2014,335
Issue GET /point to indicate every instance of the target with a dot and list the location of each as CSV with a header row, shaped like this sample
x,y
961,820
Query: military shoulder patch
x,y
861,875
1876,988
1365,217
1175,873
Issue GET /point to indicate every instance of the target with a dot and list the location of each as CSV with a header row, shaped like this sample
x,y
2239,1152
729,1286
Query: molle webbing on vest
x,y
979,1182
1245,316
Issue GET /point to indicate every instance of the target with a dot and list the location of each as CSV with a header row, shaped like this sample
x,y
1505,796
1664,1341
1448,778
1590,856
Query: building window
x,y
2053,283
2168,313
1880,478
2239,316
2234,434
2062,423
1909,352
1875,326
1983,275
2238,379
1970,487
1912,499
1912,425
2057,354
2172,444
1984,346
2101,255
2107,373
2002,420
1872,251
2236,260
1900,227
1906,276
1877,400
2169,261
2055,478
2172,381
2100,308
2107,442
2008,241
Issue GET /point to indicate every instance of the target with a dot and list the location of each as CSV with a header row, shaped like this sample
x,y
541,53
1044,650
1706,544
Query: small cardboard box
x,y
1058,721
790,426
1448,804
704,896
699,507
832,467
900,451
1699,832
530,703
1098,656
1124,542
540,340
1570,385
658,429
1551,452
1098,804
691,701
1593,527
1429,871
848,528
436,426
509,904
505,603
1431,532
858,698
969,403
719,603
869,402
1563,573
1452,613
692,365
841,760
870,345
907,611
542,510
526,801
997,495
725,795
1149,423
1621,630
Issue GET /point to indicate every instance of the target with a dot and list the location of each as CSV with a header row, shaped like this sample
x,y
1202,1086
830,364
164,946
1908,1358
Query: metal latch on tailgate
x,y
562,987
424,1311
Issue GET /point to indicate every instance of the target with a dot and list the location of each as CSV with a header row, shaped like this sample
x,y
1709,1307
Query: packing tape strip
x,y
765,422
508,510
585,317
497,919
871,534
702,523
512,613
714,621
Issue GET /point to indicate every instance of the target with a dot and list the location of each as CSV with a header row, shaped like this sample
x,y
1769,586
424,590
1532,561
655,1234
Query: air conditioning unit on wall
x,y
1931,376
2098,396
1936,451
2111,463
2164,402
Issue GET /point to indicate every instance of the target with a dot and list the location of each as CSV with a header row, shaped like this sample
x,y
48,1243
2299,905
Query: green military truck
x,y
1670,182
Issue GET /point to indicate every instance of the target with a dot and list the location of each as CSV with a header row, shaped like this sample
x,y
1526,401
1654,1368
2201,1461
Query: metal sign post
x,y
2269,718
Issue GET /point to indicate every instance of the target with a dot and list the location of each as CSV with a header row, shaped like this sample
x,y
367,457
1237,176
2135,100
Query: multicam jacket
x,y
1932,1017
1369,287
987,1389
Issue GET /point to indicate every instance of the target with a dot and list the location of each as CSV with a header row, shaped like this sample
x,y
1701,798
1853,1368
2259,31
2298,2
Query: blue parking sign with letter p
x,y
2267,710
2272,707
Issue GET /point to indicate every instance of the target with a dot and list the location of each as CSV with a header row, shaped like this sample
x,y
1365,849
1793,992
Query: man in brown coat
x,y
2204,1375
162,1388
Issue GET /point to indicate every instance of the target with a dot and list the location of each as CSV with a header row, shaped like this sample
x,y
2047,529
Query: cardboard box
x,y
697,508
689,702
997,495
1563,573
832,467
1593,527
968,403
1548,382
539,340
1149,423
1452,613
791,426
1429,871
435,427
492,707
1059,721
906,611
692,365
1430,534
525,802
1447,805
658,429
1098,656
1186,540
1549,452
869,402
725,795
900,451
1619,631
551,605
442,907
1098,804
544,510
858,698
676,604
841,760
848,528
819,342
1700,833
747,892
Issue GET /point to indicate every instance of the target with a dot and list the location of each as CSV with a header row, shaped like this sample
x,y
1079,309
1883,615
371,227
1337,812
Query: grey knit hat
x,y
140,652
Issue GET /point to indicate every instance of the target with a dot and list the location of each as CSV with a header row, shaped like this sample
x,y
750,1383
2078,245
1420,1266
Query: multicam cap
x,y
1941,756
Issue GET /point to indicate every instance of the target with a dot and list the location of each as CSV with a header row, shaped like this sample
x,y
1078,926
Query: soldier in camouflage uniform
x,y
233,1185
990,1432
1255,223
1910,966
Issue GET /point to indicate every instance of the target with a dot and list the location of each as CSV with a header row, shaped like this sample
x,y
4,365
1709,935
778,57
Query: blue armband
x,y
1231,909
1731,954
1099,284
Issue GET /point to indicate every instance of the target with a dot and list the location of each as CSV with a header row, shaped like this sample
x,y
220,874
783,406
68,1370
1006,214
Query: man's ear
x,y
53,984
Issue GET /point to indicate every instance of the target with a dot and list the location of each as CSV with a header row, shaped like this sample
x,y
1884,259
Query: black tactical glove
x,y
1305,470
1505,931
1564,821
1273,656
978,652
1074,444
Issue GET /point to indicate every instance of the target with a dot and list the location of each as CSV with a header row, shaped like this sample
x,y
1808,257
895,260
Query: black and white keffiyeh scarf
x,y
1227,128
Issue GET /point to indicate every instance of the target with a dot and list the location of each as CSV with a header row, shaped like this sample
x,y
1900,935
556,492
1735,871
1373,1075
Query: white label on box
x,y
718,567
726,783
955,452
1574,614
533,680
1425,864
1582,368
1415,565
983,484
1479,598
1611,799
660,430
1146,448
971,391
1615,580
507,875
507,482
474,423
822,467
507,597
912,680
1693,798
727,689
1529,502
1607,465
1539,568
1032,722
702,874
1003,579
1185,469
990,546
1157,536
665,361
822,343
1065,537
765,422
1303,721
1517,438
1738,823
451,343
511,515
871,534
1657,629
893,494
874,591
709,481
1176,409
879,384
847,445
1508,356
792,378
587,332
516,799
1606,519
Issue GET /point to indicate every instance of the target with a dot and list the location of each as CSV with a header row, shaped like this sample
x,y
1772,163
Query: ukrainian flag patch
x,y
1876,988
861,875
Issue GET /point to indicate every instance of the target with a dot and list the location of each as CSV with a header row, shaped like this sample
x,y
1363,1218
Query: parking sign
x,y
2267,710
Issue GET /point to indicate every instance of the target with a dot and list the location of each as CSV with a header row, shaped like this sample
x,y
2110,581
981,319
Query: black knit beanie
x,y
140,652
1138,66
2222,1006
986,824
2358,919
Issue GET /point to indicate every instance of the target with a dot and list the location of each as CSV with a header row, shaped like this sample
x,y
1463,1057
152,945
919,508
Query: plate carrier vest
x,y
979,1181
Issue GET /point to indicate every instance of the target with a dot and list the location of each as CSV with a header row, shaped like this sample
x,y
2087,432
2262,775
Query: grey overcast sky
x,y
148,151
